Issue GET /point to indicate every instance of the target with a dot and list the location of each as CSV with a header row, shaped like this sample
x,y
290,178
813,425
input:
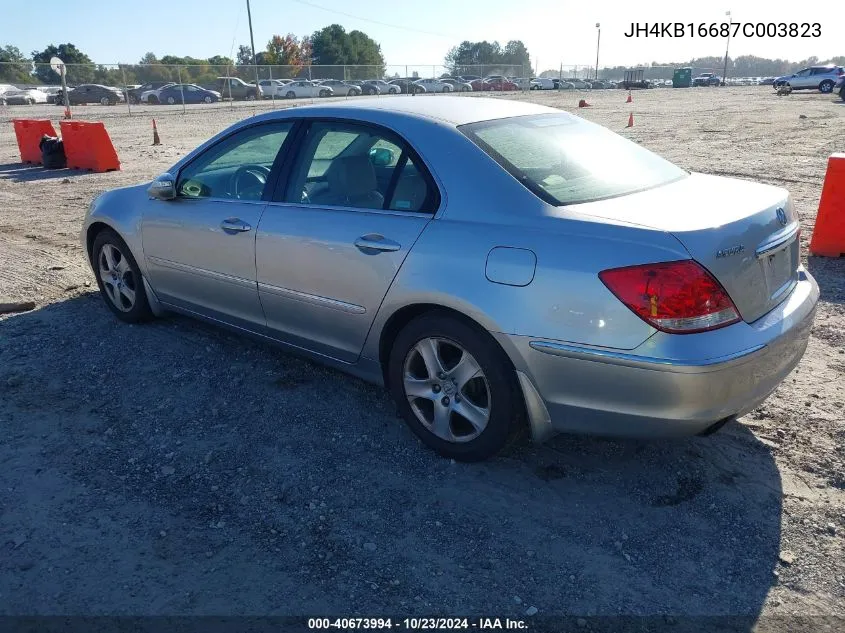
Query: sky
x,y
417,32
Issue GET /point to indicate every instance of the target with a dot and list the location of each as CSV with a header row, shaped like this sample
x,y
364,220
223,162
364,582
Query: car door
x,y
802,79
330,244
200,247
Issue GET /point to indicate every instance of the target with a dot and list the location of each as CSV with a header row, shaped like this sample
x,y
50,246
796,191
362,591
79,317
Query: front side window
x,y
803,73
236,168
351,165
564,160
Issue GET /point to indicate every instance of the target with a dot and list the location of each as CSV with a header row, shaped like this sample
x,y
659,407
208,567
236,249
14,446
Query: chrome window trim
x,y
328,207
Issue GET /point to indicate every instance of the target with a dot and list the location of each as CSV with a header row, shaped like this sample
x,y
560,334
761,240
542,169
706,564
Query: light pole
x,y
727,46
598,41
252,44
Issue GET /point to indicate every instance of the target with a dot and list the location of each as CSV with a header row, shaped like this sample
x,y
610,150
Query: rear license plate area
x,y
780,268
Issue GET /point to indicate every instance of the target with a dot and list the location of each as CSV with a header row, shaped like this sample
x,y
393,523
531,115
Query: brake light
x,y
680,297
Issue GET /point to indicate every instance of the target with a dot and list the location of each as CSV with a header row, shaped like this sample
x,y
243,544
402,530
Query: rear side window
x,y
357,166
564,160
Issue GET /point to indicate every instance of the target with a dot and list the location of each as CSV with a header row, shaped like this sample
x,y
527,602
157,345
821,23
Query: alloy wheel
x,y
447,390
118,279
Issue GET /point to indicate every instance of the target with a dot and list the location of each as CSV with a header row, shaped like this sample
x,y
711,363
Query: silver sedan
x,y
495,264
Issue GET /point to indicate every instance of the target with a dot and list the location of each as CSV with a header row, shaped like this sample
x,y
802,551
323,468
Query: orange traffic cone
x,y
630,120
583,104
629,99
156,139
829,233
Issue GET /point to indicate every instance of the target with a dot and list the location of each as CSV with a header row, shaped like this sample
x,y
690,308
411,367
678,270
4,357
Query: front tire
x,y
454,387
207,99
104,101
290,94
119,278
171,100
826,87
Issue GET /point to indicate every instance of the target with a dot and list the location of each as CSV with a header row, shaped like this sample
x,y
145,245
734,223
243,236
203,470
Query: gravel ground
x,y
174,468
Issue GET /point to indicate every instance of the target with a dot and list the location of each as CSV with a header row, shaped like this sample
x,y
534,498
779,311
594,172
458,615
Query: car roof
x,y
455,110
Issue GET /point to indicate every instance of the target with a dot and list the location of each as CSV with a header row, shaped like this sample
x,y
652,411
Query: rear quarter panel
x,y
485,207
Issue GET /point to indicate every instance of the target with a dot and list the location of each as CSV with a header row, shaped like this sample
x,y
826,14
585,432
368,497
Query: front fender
x,y
122,211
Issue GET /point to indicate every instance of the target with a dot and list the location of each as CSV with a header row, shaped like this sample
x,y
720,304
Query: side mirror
x,y
163,188
381,156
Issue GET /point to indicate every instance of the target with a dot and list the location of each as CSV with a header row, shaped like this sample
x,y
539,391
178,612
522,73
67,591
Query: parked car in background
x,y
580,84
458,85
91,93
542,83
408,86
385,87
26,96
434,85
237,89
134,94
51,92
152,96
707,79
497,84
839,87
306,88
671,328
767,81
4,88
821,78
342,88
272,88
365,86
191,93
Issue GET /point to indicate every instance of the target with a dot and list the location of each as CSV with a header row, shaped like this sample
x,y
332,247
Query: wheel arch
x,y
533,414
400,317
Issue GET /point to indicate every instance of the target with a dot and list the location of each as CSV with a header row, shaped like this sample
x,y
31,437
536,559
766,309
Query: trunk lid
x,y
744,233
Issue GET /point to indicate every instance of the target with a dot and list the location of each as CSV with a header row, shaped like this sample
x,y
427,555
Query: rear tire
x,y
290,94
826,87
171,100
110,253
493,389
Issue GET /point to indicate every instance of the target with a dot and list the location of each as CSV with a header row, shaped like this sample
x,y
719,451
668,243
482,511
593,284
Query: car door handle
x,y
376,243
235,225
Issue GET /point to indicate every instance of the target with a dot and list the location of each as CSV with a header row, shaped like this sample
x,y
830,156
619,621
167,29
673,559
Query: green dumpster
x,y
682,78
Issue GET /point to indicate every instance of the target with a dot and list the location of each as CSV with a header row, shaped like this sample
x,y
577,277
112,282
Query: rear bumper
x,y
670,385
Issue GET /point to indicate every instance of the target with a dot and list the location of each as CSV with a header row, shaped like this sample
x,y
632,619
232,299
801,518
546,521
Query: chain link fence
x,y
161,89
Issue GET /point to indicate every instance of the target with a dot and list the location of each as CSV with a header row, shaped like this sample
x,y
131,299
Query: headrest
x,y
352,176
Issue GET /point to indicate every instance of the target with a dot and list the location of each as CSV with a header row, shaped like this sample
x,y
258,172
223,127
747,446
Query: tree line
x,y
340,55
283,57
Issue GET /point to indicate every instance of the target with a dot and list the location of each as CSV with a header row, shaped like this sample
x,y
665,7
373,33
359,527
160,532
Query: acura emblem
x,y
781,216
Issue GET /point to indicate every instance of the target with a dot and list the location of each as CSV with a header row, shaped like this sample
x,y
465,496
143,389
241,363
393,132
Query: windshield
x,y
565,160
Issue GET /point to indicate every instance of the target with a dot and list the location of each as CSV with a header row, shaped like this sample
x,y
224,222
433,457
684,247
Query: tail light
x,y
680,297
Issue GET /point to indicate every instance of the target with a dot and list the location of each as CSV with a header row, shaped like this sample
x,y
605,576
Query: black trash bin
x,y
52,152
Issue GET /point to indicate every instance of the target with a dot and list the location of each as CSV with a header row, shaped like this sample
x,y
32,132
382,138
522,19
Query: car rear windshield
x,y
565,160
